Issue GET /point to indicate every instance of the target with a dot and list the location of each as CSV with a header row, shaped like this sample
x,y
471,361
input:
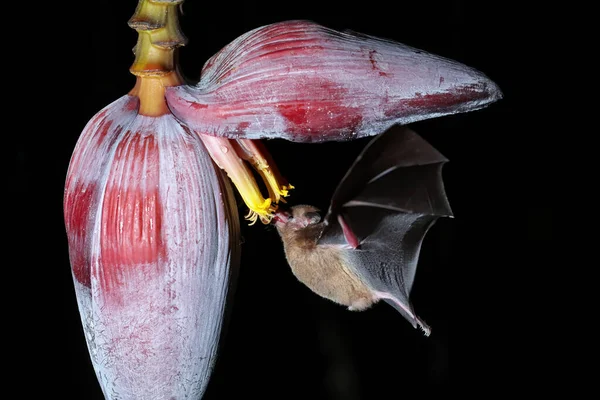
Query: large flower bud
x,y
152,233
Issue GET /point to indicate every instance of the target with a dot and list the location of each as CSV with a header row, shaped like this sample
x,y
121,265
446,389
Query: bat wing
x,y
382,210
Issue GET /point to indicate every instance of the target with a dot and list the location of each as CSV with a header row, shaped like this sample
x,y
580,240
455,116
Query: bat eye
x,y
313,217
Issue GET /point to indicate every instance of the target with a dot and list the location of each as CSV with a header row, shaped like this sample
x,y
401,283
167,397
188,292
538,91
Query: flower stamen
x,y
257,155
229,155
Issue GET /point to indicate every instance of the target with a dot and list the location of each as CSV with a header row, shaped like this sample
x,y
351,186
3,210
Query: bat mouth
x,y
281,217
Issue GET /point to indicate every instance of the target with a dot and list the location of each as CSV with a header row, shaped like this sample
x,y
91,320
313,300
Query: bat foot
x,y
424,327
406,311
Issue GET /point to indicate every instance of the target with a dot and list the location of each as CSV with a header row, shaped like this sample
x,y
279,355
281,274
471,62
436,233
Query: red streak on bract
x,y
325,111
304,48
95,137
99,117
81,200
374,65
198,106
372,59
242,126
104,128
131,212
80,204
132,104
83,187
295,114
81,158
437,102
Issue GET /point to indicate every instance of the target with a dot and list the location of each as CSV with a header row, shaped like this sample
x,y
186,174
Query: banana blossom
x,y
151,219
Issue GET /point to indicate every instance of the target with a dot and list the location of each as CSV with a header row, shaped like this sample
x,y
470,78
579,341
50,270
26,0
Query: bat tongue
x,y
281,217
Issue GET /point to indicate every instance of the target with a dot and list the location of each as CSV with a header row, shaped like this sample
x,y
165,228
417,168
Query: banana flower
x,y
151,219
153,232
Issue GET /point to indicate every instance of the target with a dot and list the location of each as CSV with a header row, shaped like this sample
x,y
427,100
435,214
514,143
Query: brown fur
x,y
320,268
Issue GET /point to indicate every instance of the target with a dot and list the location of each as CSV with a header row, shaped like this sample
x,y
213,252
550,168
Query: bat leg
x,y
350,237
405,310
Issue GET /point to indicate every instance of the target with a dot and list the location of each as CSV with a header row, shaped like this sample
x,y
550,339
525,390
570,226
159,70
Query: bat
x,y
367,247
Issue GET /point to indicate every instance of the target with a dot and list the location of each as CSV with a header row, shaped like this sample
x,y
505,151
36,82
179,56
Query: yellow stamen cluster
x,y
230,154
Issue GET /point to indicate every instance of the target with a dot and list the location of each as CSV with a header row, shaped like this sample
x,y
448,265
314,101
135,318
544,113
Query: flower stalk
x,y
159,38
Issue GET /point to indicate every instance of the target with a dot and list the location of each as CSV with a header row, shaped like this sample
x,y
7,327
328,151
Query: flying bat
x,y
367,247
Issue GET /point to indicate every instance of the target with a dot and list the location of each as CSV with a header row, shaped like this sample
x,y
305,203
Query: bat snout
x,y
281,217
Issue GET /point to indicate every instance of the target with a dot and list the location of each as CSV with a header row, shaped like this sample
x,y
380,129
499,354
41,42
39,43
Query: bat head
x,y
298,217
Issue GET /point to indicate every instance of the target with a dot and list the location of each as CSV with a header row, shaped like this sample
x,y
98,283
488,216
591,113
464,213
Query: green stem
x,y
155,64
159,36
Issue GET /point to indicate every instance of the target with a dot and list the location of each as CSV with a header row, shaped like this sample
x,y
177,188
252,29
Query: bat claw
x,y
424,327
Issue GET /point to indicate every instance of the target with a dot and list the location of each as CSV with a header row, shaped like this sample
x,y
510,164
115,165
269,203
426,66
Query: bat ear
x,y
313,217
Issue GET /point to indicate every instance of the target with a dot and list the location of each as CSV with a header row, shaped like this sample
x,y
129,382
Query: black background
x,y
283,341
